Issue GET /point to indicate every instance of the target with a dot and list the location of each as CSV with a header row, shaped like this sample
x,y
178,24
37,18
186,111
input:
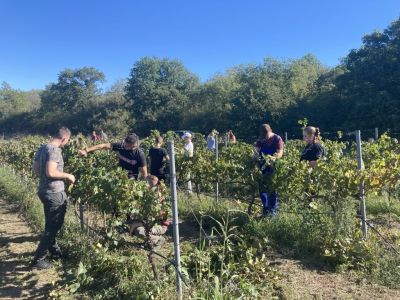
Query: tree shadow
x,y
19,238
188,231
18,280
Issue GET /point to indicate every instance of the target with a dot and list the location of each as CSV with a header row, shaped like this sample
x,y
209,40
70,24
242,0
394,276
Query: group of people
x,y
48,165
99,137
213,136
271,145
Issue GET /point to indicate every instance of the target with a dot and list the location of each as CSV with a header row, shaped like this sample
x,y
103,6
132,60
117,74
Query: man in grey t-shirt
x,y
48,165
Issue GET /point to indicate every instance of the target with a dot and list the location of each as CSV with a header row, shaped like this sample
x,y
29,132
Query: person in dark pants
x,y
48,164
313,150
272,145
131,157
158,156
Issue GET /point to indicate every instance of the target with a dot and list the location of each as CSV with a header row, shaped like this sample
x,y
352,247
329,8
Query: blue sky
x,y
41,38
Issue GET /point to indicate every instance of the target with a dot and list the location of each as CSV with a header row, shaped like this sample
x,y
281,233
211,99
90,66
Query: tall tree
x,y
70,100
371,84
211,105
158,92
14,102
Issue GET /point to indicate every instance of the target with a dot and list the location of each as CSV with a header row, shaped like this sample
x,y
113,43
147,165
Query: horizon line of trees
x,y
362,92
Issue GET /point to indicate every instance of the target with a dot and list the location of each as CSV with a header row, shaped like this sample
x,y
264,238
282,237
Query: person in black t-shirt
x,y
131,157
158,156
313,150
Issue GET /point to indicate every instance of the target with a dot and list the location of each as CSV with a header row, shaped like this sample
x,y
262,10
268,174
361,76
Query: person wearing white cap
x,y
188,151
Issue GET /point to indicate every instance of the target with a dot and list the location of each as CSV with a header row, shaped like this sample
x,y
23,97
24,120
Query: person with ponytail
x,y
313,150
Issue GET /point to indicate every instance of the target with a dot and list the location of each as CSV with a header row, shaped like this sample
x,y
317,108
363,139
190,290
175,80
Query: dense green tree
x,y
211,105
362,92
371,84
71,100
74,91
158,91
115,122
14,102
269,90
113,115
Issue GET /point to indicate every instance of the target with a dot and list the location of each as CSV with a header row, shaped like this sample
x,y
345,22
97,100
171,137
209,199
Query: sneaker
x,y
41,264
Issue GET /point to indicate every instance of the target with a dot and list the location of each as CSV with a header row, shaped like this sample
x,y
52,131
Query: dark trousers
x,y
269,197
55,206
270,202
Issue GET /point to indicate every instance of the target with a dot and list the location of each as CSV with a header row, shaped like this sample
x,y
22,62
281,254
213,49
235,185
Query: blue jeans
x,y
270,202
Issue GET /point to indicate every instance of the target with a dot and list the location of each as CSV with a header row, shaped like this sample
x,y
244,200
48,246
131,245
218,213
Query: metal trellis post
x,y
175,219
360,167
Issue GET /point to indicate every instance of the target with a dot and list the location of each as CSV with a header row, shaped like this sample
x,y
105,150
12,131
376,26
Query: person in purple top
x,y
272,145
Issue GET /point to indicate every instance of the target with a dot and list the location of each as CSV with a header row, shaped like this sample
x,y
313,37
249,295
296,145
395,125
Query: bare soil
x,y
299,280
302,281
17,245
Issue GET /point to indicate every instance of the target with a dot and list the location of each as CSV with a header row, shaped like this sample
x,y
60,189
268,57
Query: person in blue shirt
x,y
272,145
211,140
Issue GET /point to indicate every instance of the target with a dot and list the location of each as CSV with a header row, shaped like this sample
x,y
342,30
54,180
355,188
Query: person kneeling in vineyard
x,y
271,145
131,157
151,233
313,150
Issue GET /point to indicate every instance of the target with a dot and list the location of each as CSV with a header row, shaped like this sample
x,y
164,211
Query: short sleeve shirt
x,y
189,149
47,153
157,160
130,160
312,152
210,143
268,147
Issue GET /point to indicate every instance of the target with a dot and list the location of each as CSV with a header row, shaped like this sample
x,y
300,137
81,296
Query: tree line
x,y
362,92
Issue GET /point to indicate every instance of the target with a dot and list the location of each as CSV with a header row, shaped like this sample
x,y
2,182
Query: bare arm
x,y
52,172
312,163
143,171
84,152
279,153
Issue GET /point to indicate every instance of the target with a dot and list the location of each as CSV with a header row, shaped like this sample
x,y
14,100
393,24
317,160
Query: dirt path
x,y
304,282
17,245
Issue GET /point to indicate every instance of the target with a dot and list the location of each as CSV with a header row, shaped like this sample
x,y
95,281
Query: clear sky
x,y
40,38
